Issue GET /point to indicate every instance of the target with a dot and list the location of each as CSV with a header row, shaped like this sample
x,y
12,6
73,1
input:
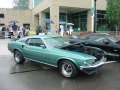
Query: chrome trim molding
x,y
85,67
93,66
40,62
67,59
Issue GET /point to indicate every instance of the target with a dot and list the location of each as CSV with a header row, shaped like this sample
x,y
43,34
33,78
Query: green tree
x,y
21,4
113,12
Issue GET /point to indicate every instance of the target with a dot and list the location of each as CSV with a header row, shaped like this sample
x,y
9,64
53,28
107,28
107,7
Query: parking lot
x,y
34,76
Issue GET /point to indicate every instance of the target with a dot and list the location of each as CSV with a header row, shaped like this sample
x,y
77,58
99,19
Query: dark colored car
x,y
107,42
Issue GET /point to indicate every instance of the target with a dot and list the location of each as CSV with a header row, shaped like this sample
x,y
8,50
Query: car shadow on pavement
x,y
29,66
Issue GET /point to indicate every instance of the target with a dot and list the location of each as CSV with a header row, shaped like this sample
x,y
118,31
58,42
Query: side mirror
x,y
106,42
43,46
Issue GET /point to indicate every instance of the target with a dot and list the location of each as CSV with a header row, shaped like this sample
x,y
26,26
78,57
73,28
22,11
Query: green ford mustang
x,y
57,52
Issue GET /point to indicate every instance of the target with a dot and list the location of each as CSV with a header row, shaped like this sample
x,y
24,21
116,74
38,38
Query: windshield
x,y
55,41
113,38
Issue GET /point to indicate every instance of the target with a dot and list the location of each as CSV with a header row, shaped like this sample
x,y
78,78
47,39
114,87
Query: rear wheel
x,y
19,59
68,69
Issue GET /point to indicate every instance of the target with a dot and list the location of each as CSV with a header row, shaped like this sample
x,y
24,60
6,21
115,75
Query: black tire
x,y
119,58
68,69
19,59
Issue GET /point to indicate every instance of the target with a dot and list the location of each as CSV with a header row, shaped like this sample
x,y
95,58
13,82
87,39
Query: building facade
x,y
77,12
22,16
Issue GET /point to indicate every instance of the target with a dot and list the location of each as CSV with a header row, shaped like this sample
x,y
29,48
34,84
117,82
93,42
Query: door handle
x,y
23,46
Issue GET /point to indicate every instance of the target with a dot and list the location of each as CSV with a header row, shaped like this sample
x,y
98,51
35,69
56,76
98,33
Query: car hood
x,y
118,42
77,40
73,54
84,51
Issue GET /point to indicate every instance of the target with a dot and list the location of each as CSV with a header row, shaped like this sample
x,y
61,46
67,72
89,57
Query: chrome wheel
x,y
67,69
17,57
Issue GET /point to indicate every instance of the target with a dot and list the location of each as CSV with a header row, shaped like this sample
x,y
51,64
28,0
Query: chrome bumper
x,y
93,68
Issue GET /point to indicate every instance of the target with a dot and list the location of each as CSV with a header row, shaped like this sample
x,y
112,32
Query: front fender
x,y
76,62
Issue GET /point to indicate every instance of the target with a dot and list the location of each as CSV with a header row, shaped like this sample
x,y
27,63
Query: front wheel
x,y
19,59
68,69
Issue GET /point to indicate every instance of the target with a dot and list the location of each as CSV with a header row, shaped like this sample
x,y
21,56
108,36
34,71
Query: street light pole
x,y
95,17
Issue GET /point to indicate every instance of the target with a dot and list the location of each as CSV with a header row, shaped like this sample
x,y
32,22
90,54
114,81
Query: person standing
x,y
56,29
38,30
62,30
49,28
70,30
15,29
26,30
23,31
45,30
10,31
0,28
3,32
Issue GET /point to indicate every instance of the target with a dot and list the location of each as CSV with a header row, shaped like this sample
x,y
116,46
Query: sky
x,y
6,3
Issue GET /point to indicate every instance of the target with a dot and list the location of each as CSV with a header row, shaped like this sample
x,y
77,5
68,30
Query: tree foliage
x,y
113,11
21,4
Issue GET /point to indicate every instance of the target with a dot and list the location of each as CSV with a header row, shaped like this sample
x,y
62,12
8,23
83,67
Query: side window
x,y
93,38
101,39
27,41
36,42
83,37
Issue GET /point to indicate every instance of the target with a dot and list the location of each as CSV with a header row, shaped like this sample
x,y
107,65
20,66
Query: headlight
x,y
88,62
84,62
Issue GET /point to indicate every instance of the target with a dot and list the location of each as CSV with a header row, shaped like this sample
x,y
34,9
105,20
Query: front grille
x,y
98,59
96,53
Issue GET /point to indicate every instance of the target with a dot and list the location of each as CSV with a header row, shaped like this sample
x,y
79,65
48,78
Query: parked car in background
x,y
107,42
55,51
118,37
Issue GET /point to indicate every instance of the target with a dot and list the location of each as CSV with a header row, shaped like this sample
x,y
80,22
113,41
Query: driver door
x,y
35,50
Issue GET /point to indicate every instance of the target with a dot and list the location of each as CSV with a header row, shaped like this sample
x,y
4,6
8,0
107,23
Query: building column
x,y
36,21
54,16
31,4
90,22
42,16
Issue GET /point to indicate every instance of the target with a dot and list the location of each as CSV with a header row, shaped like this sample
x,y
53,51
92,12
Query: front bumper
x,y
93,68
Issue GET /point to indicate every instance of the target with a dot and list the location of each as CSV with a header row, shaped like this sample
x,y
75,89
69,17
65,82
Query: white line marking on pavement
x,y
108,62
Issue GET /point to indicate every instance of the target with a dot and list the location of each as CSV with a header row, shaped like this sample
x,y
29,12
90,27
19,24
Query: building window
x,y
2,24
83,21
47,15
63,17
79,20
1,15
102,23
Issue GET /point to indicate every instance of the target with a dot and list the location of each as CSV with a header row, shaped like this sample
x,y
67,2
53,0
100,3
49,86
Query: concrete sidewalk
x,y
3,47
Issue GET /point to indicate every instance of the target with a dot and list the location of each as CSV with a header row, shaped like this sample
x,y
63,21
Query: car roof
x,y
88,37
37,36
43,36
100,34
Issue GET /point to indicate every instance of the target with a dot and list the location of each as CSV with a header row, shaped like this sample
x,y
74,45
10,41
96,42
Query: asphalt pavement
x,y
35,76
